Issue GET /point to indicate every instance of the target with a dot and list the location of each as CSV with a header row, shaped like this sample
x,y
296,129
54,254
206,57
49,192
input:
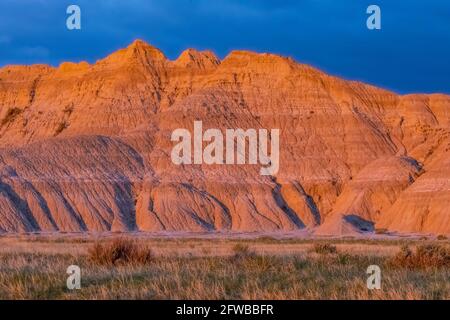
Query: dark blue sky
x,y
410,54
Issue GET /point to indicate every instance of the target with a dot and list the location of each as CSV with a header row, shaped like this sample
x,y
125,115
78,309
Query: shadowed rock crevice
x,y
285,207
18,214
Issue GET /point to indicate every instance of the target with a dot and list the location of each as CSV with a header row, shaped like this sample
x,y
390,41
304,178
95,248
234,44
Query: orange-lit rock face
x,y
87,148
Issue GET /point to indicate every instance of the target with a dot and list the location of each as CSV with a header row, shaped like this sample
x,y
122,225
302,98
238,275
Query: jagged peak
x,y
198,59
261,61
32,67
247,55
24,72
139,44
67,67
138,51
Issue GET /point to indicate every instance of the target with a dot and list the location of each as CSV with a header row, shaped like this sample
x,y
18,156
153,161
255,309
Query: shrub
x,y
61,127
324,248
425,256
242,251
441,237
344,258
68,109
120,252
206,251
381,231
11,114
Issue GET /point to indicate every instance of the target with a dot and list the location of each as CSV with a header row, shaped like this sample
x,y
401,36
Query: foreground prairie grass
x,y
124,269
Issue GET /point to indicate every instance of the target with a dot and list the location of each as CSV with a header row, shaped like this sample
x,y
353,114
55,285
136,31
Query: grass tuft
x,y
324,248
120,252
242,251
425,256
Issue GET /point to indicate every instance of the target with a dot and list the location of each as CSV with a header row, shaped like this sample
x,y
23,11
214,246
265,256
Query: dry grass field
x,y
34,267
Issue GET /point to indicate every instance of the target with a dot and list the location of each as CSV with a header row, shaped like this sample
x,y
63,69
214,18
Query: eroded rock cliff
x,y
87,148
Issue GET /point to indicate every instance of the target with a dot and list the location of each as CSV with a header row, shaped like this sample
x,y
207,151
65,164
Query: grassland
x,y
34,267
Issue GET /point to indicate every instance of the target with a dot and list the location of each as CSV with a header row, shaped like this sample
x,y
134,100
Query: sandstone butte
x,y
86,148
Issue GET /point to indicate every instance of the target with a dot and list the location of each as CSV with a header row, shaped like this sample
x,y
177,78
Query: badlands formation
x,y
86,148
